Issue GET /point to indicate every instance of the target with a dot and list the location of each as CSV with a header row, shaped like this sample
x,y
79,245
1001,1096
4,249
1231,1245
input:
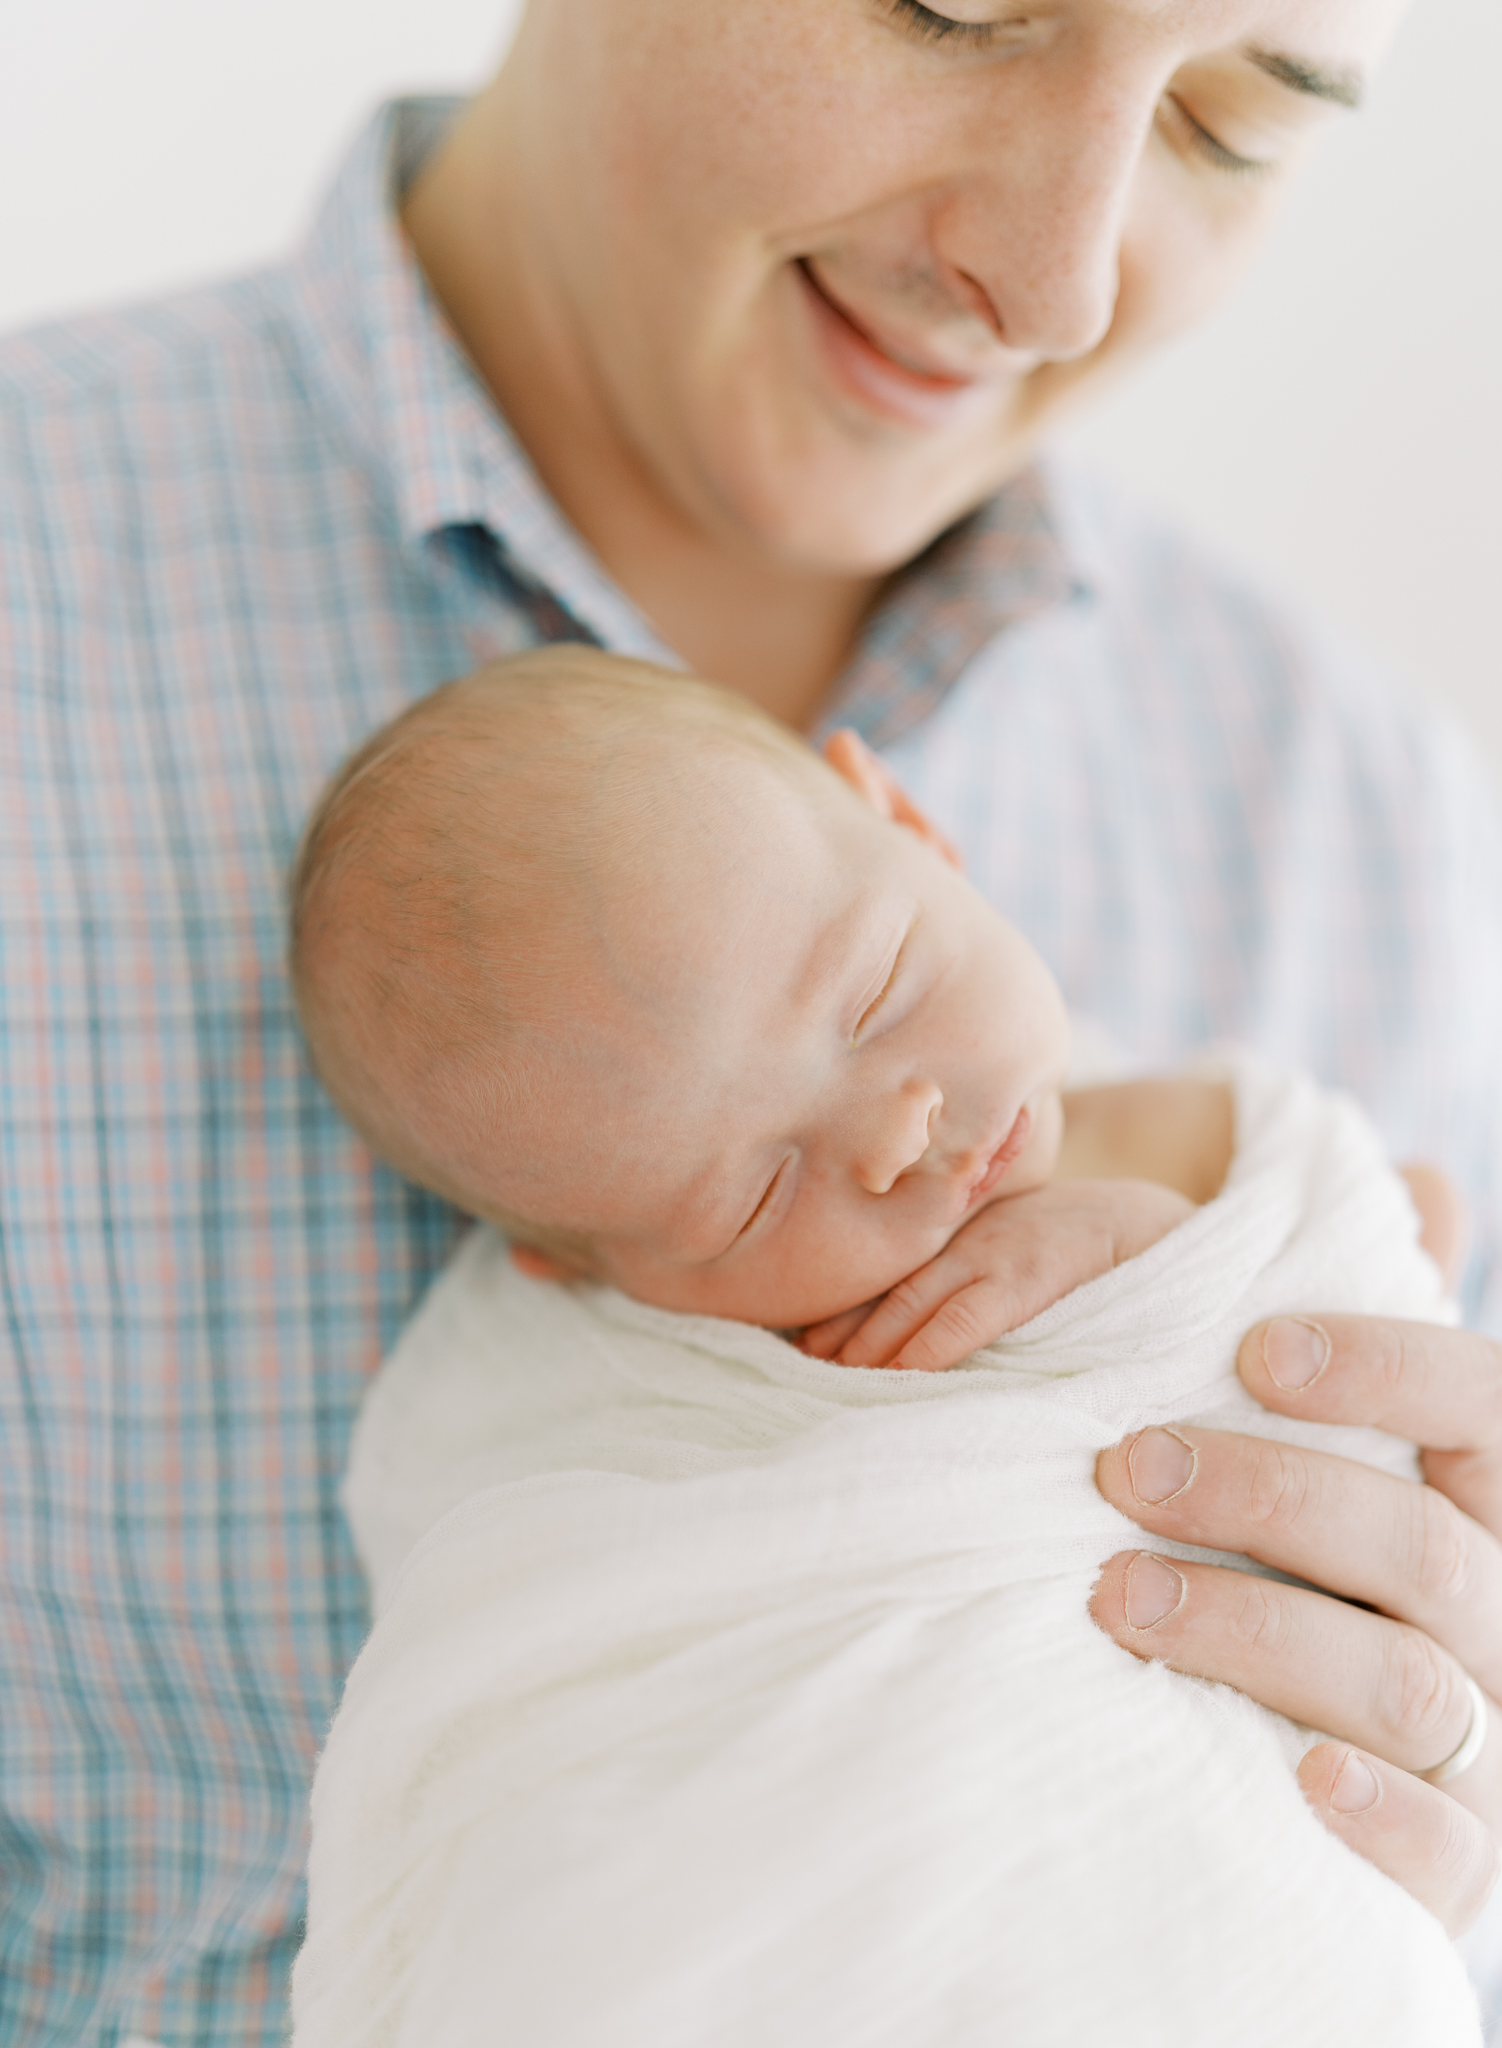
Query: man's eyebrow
x,y
1344,88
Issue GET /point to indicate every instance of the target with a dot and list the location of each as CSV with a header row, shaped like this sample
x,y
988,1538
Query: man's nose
x,y
1034,229
896,1135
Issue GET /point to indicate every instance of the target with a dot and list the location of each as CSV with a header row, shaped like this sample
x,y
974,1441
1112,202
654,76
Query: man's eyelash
x,y
938,28
1214,151
933,27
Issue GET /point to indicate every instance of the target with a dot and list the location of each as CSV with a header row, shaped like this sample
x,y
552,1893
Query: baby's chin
x,y
769,1304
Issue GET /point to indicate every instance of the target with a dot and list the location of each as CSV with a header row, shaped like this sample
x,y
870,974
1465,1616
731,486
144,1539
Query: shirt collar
x,y
405,397
409,402
1004,564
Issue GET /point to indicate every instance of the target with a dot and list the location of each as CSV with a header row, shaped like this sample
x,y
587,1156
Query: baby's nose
x,y
898,1135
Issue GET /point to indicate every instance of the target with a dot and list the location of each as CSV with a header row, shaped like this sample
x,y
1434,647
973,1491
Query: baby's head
x,y
605,955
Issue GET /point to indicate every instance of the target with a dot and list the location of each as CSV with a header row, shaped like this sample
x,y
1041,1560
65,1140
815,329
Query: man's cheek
x,y
1180,253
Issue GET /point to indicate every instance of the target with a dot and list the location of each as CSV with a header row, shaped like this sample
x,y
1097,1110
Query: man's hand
x,y
1007,1265
1385,1678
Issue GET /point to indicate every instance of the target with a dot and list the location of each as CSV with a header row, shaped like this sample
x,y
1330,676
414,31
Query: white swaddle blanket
x,y
721,1698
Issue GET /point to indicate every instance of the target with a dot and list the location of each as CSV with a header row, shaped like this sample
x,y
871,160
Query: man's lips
x,y
991,1174
903,390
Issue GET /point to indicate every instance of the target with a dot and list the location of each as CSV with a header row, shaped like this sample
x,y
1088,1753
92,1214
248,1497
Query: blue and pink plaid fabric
x,y
238,530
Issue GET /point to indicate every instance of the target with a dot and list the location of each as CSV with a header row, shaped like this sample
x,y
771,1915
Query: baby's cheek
x,y
831,1264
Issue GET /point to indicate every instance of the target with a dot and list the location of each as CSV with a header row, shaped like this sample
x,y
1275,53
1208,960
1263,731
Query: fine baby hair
x,y
456,854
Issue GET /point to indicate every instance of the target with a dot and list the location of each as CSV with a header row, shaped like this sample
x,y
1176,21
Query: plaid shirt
x,y
237,531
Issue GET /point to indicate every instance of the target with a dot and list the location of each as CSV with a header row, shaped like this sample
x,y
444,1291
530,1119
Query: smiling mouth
x,y
885,383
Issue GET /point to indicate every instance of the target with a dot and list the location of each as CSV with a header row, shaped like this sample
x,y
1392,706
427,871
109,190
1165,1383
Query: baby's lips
x,y
1006,1152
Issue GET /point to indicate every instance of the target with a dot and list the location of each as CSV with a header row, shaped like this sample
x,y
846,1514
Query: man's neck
x,y
778,635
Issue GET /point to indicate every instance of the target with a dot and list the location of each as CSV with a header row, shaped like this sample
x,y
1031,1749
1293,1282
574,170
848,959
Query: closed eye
x,y
765,1204
873,1008
929,25
1210,147
934,27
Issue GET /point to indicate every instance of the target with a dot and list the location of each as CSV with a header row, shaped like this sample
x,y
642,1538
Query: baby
x,y
718,1693
607,957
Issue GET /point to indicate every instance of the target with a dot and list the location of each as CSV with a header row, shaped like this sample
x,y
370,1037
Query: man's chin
x,y
854,534
818,496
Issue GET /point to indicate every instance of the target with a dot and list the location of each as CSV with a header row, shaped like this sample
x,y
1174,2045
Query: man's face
x,y
835,265
837,1053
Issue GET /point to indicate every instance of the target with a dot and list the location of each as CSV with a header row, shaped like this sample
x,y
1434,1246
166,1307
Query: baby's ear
x,y
853,761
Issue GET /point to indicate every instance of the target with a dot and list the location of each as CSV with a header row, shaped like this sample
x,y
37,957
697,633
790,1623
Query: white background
x,y
1338,424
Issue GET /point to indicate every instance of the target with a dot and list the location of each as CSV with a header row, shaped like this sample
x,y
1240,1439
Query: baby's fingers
x,y
826,1339
976,1315
976,1290
898,1315
937,1316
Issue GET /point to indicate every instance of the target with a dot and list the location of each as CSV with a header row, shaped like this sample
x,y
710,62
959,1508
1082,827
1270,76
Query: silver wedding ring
x,y
1472,1743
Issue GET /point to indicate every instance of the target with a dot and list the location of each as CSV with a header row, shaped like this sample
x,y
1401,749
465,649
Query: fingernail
x,y
1153,1590
1295,1353
1160,1465
1356,1788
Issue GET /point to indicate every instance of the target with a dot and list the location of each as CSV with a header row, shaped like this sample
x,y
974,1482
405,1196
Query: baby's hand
x,y
1006,1266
